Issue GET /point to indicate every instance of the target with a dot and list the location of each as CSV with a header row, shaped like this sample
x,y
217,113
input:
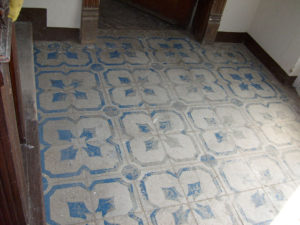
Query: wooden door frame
x,y
205,24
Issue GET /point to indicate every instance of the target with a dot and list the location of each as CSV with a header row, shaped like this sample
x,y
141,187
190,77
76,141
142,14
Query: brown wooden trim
x,y
60,34
38,18
233,37
89,21
201,18
268,61
259,52
207,20
30,149
91,3
14,203
16,86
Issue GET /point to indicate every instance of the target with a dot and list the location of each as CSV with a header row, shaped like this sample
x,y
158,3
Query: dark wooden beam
x,y
89,21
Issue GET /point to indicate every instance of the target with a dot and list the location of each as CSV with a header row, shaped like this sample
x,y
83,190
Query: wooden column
x,y
207,19
89,21
13,201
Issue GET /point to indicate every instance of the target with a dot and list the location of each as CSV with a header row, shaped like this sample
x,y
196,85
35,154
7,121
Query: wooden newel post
x,y
89,21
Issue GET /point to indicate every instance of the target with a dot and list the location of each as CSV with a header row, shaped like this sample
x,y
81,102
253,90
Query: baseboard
x,y
60,34
259,52
233,37
38,18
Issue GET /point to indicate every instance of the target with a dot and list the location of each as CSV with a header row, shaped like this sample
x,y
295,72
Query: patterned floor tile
x,y
216,211
199,183
292,161
254,207
280,194
237,175
172,216
160,188
131,219
152,127
268,170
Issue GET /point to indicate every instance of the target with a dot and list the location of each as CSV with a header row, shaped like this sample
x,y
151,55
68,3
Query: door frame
x,y
205,24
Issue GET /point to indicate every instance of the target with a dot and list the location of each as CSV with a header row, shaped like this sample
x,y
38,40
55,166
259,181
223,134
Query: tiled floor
x,y
117,14
150,127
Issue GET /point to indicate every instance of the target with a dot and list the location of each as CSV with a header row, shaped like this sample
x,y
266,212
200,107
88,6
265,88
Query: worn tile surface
x,y
148,127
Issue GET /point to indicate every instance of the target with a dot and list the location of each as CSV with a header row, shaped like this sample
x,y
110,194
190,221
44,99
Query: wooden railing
x,y
21,200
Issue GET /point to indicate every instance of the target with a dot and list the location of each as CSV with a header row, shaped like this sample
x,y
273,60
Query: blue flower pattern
x,y
133,123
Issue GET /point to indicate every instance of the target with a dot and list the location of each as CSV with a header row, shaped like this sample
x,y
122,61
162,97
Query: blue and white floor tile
x,y
153,128
217,211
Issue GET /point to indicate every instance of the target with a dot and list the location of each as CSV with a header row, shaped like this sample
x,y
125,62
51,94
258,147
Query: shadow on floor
x,y
116,14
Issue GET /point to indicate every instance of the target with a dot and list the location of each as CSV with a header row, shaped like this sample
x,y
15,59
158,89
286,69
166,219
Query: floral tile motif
x,y
133,89
59,91
278,122
224,130
155,128
199,183
196,85
131,219
217,211
254,207
268,170
74,203
280,194
247,83
56,54
173,51
73,146
120,51
292,161
224,55
237,175
157,137
172,216
160,189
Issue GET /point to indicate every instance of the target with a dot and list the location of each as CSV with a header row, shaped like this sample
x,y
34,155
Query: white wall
x,y
238,15
60,13
276,27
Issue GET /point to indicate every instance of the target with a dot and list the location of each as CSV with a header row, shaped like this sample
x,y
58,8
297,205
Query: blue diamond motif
x,y
151,144
80,95
68,153
65,135
171,193
258,199
124,80
92,151
59,97
58,84
130,92
148,91
144,127
78,209
88,133
114,54
243,86
204,211
235,77
194,189
180,216
105,205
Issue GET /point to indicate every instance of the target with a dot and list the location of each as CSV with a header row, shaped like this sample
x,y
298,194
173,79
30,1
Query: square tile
x,y
172,216
199,183
217,211
160,188
236,175
254,207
